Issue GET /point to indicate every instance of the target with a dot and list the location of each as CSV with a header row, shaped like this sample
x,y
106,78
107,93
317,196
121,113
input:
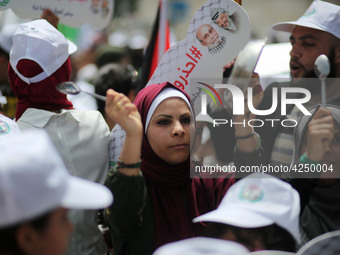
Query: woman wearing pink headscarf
x,y
155,198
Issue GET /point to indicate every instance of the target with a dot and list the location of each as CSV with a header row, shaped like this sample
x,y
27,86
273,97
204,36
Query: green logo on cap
x,y
251,193
309,12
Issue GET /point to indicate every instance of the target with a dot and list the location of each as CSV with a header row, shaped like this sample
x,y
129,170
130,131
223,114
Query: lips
x,y
180,146
295,67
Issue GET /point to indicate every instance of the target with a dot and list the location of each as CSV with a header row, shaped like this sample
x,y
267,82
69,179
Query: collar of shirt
x,y
39,118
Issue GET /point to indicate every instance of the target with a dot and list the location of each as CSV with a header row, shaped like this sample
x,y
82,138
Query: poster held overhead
x,y
98,13
216,34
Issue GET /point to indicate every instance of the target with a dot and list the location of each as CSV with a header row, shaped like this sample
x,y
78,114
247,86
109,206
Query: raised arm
x,y
120,110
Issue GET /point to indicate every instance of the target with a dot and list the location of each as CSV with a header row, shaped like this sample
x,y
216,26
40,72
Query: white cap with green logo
x,y
258,200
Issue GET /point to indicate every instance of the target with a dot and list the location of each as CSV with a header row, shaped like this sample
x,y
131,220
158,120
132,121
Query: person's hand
x,y
120,110
257,98
50,17
229,65
251,143
319,134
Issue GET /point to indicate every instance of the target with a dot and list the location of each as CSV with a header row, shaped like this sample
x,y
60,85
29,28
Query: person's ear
x,y
27,239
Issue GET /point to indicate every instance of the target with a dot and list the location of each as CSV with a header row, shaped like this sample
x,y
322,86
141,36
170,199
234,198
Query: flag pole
x,y
162,32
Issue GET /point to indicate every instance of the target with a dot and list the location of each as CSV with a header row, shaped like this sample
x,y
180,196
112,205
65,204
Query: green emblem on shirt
x,y
4,128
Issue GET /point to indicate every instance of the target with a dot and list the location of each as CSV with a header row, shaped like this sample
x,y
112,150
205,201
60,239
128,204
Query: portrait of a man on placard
x,y
209,38
224,19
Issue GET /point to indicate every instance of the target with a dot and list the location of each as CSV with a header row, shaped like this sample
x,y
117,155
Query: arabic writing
x,y
194,56
194,96
56,11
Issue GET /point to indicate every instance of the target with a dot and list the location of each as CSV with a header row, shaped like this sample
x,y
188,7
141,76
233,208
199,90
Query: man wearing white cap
x,y
36,191
316,32
259,211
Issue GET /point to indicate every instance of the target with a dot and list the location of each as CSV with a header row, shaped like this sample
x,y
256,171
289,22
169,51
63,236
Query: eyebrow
x,y
163,115
170,116
303,37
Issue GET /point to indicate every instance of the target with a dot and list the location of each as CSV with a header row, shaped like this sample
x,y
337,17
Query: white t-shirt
x,y
82,139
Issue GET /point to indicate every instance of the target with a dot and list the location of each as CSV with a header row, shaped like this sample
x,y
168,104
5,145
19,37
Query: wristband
x,y
121,164
305,160
246,136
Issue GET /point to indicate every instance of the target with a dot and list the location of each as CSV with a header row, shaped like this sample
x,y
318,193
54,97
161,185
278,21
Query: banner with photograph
x,y
73,13
217,32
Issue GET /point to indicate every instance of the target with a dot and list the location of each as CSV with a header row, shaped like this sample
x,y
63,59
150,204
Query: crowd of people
x,y
60,174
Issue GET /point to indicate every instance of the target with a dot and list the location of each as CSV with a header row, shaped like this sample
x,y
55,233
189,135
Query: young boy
x,y
36,192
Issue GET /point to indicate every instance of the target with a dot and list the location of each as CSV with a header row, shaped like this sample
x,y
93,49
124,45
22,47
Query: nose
x,y
178,129
295,53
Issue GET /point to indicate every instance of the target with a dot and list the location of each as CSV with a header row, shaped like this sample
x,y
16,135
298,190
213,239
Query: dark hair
x,y
121,78
8,235
272,237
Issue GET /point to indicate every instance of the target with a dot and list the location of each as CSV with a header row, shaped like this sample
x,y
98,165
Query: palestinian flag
x,y
159,43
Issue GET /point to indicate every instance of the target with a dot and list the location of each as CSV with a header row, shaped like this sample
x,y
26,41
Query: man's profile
x,y
209,37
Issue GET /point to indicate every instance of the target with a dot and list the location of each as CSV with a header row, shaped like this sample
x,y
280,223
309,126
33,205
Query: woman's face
x,y
169,130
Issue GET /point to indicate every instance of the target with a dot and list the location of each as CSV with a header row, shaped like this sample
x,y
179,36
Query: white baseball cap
x,y
202,245
320,15
42,43
271,252
258,200
34,180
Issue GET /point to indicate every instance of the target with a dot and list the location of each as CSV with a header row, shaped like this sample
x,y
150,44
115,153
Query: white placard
x,y
207,47
73,13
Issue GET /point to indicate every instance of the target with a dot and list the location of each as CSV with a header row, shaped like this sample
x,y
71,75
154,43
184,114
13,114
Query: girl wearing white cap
x,y
36,192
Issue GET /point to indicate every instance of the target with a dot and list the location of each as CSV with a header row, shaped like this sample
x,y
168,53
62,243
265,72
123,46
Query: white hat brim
x,y
84,194
72,47
237,217
289,26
